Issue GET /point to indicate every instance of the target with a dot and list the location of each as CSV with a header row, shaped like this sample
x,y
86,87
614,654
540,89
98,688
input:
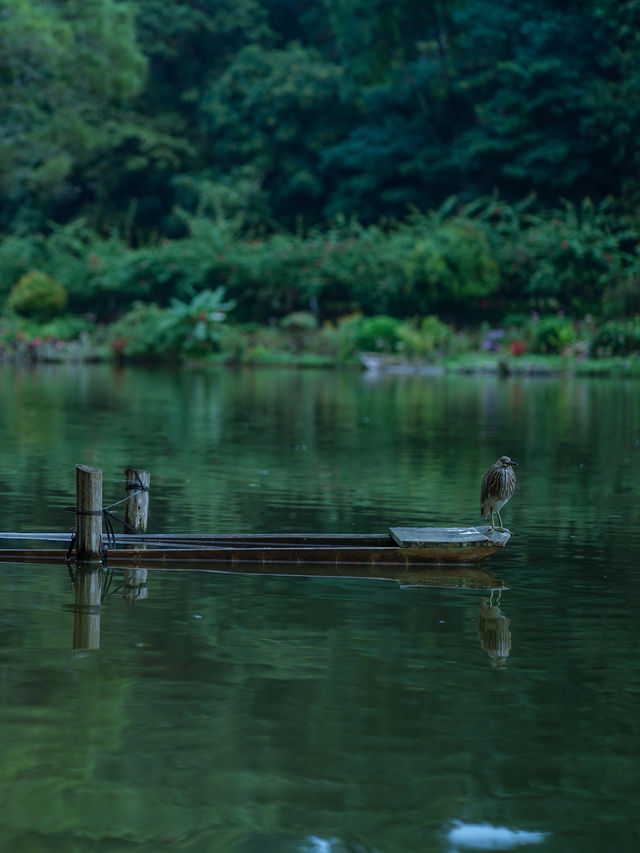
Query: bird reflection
x,y
494,630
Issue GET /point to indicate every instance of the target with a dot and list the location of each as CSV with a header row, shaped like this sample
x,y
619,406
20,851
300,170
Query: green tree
x,y
275,111
68,71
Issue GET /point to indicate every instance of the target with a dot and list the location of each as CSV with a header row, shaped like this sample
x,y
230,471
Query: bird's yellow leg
x,y
501,528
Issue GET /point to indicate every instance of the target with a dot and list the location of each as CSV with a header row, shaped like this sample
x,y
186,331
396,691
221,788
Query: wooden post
x,y
137,507
88,513
135,521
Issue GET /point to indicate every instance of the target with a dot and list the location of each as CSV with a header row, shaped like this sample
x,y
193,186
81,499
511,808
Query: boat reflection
x,y
92,583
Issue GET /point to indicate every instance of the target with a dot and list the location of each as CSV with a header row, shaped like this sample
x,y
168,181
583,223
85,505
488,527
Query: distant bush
x,y
425,338
617,337
37,295
135,334
195,327
299,321
267,278
451,267
568,259
357,269
551,335
468,263
299,325
342,338
18,255
184,328
378,334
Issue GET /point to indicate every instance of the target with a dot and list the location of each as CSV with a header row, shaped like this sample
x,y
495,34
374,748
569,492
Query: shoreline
x,y
373,364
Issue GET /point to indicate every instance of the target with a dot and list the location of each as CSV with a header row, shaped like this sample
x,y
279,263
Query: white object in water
x,y
483,836
313,844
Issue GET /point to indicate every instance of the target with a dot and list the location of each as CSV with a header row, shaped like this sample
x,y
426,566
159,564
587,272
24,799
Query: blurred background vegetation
x,y
260,177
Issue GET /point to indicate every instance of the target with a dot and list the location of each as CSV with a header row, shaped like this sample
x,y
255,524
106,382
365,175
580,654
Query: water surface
x,y
248,713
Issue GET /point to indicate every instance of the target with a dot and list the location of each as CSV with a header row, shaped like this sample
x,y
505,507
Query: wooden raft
x,y
401,546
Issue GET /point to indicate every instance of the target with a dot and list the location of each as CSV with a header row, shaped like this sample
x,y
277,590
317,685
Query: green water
x,y
249,713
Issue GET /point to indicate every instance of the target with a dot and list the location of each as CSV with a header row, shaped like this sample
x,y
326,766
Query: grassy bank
x,y
200,331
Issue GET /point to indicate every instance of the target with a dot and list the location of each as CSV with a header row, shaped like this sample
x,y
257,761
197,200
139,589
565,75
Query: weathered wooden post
x,y
135,521
137,507
88,513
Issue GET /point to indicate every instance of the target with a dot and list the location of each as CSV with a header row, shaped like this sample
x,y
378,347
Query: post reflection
x,y
135,585
91,584
494,631
87,584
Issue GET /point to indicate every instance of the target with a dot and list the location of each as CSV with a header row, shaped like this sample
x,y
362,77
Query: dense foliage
x,y
328,158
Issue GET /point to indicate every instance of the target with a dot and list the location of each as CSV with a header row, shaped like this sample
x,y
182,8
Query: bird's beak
x,y
513,463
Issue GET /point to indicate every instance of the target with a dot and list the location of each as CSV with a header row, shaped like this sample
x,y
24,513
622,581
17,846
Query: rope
x,y
108,516
71,547
128,497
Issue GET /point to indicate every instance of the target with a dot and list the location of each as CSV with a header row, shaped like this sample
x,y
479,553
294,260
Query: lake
x,y
274,714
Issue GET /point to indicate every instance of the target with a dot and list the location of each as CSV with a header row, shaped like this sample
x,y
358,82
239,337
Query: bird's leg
x,y
493,524
501,528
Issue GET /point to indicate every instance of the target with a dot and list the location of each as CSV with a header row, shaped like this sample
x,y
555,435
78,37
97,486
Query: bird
x,y
498,485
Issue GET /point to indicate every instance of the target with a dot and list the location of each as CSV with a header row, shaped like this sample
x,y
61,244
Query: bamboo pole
x,y
88,513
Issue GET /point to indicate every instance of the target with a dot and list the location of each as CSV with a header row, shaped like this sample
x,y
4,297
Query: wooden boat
x,y
401,546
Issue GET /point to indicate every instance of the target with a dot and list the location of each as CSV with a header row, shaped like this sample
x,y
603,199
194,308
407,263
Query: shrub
x,y
378,334
37,295
299,321
267,278
425,338
623,295
342,337
193,328
617,337
451,267
552,335
300,325
17,256
135,334
561,259
357,269
234,343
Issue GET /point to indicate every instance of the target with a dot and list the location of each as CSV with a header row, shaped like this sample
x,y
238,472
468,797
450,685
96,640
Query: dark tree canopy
x,y
117,111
